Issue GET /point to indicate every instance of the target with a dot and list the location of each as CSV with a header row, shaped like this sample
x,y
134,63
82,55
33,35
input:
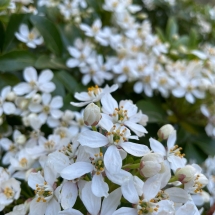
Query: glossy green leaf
x,y
69,82
4,4
16,60
153,110
171,28
8,79
12,28
49,32
60,90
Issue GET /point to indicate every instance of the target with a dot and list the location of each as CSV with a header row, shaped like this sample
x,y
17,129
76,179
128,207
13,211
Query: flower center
x,y
43,192
23,162
94,91
176,151
160,196
31,36
120,115
67,150
46,109
98,163
117,135
146,207
8,192
49,145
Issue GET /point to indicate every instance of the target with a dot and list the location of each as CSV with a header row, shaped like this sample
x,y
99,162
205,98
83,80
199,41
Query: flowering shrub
x,y
145,85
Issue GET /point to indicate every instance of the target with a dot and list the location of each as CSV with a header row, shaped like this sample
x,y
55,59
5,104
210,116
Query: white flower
x,y
6,107
94,94
50,107
31,38
165,131
45,201
125,113
172,153
35,83
19,209
9,191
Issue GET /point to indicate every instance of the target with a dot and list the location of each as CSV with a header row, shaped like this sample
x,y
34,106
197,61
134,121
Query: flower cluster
x,y
87,154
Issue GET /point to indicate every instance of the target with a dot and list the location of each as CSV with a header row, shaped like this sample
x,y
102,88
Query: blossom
x,y
34,83
94,94
45,200
124,113
172,154
31,38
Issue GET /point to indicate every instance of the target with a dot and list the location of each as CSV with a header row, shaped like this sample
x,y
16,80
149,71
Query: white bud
x,y
11,96
25,121
185,174
21,139
165,131
92,115
151,164
68,115
36,99
23,104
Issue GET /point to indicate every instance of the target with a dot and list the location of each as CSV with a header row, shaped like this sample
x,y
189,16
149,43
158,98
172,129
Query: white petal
x,y
69,195
178,92
5,91
37,207
46,98
30,74
171,140
99,187
190,98
106,122
76,170
151,187
45,76
74,52
137,150
129,191
120,177
110,204
9,108
125,211
53,207
157,147
71,63
47,87
136,128
70,211
112,160
108,104
22,88
177,195
57,102
24,30
92,139
176,162
56,114
34,179
138,87
36,108
91,202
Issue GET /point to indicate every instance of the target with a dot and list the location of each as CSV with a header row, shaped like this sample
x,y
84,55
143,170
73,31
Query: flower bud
x,y
185,174
151,164
36,99
92,115
165,131
21,139
11,96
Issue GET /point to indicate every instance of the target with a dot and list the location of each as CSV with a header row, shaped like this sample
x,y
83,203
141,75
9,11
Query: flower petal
x,y
30,74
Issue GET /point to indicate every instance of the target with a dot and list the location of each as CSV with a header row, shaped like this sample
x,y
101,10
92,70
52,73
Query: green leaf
x,y
49,32
45,61
2,36
8,79
193,40
160,34
193,153
171,28
69,82
4,4
13,26
60,90
16,60
153,110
